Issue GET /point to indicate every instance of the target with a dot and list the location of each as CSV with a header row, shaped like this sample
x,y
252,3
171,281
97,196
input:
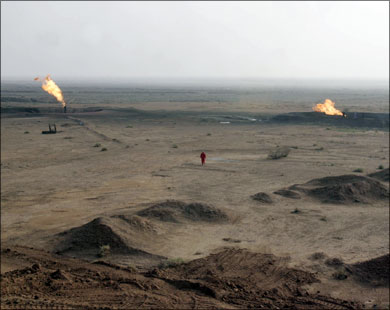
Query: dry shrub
x,y
340,275
334,262
104,250
318,255
279,152
173,262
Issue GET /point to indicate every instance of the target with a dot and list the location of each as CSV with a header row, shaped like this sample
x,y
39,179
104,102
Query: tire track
x,y
95,132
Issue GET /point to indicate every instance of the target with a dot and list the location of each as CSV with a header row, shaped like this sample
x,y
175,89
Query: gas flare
x,y
51,87
327,107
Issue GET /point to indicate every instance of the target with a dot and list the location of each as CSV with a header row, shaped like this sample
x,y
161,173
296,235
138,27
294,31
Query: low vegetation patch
x,y
173,262
334,262
279,152
104,250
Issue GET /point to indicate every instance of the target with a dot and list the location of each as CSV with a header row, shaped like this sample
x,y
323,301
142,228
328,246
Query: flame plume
x,y
327,107
51,87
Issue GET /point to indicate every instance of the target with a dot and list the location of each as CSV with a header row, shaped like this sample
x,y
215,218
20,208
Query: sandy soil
x,y
52,183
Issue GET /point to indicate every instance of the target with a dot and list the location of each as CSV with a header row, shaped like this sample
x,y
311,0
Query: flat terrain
x,y
125,157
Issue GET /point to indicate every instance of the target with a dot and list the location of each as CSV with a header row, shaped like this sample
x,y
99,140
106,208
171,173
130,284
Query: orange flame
x,y
51,87
327,107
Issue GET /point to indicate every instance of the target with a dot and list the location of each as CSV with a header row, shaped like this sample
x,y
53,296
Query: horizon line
x,y
13,77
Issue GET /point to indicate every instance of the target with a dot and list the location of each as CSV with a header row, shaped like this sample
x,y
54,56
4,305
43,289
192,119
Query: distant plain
x,y
153,137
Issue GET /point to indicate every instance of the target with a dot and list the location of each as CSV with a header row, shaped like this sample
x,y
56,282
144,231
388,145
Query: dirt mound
x,y
344,189
288,193
246,280
374,272
177,211
382,175
262,197
229,279
137,223
118,234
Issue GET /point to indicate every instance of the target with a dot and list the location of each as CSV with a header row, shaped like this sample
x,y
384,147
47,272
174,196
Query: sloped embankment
x,y
374,272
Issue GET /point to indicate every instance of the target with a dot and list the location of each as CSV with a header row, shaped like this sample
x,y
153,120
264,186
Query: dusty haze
x,y
75,40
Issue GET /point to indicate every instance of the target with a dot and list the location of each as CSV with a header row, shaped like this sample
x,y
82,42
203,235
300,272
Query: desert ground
x,y
117,207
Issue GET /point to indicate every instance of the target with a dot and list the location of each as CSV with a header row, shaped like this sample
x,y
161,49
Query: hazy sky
x,y
322,40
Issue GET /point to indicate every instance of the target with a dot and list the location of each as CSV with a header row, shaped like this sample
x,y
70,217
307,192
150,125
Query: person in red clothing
x,y
203,158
